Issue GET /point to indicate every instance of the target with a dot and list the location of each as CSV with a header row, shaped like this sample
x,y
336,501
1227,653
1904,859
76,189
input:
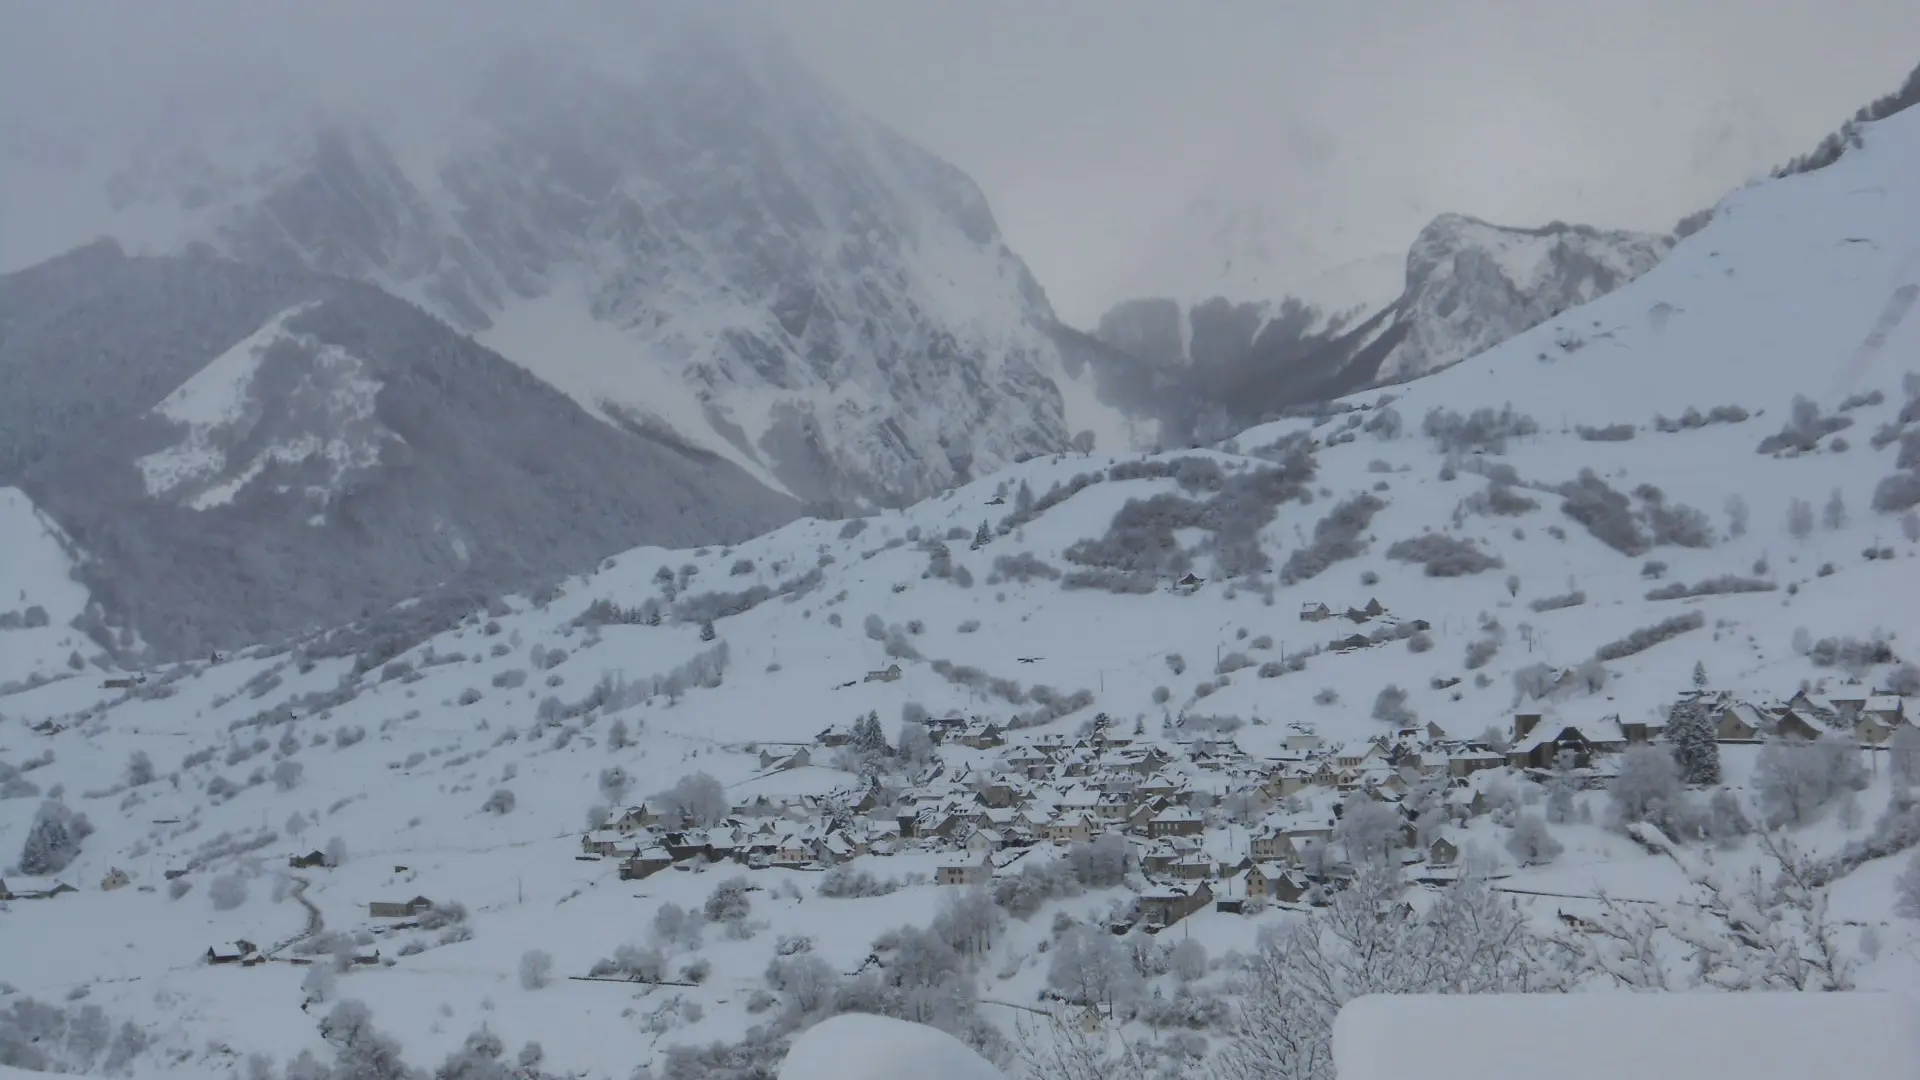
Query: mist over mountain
x,y
700,239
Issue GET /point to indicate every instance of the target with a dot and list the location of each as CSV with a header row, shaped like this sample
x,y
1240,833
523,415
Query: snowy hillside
x,y
677,810
1463,287
39,597
694,237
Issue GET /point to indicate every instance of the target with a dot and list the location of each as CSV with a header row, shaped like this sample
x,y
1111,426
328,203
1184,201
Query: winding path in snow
x,y
316,924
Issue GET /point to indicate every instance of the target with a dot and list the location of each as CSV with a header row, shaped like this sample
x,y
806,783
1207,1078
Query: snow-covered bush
x,y
1443,555
1648,636
53,839
228,891
536,966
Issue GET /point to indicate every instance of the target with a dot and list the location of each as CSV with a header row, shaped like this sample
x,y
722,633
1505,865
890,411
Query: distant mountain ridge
x,y
1469,285
246,454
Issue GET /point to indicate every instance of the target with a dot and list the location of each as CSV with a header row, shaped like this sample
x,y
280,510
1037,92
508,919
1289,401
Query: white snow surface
x,y
860,1046
37,572
1785,293
1761,1036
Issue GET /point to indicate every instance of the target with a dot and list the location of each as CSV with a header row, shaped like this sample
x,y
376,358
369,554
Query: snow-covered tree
x,y
969,921
53,840
1906,890
228,891
1834,514
1646,787
696,801
336,852
1532,842
1101,862
1371,831
139,769
287,775
1390,706
1187,959
1799,519
913,745
536,969
1699,674
1795,780
362,1052
615,782
1903,756
1693,741
1089,966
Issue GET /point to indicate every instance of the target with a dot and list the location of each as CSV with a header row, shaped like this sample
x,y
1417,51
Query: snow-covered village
x,y
406,686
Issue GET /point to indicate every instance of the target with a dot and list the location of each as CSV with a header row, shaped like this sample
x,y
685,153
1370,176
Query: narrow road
x,y
315,923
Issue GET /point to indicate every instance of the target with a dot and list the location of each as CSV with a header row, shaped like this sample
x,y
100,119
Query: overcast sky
x,y
1334,129
1153,146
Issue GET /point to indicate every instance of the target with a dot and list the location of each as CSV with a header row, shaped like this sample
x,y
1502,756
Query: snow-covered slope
x,y
1038,598
1471,285
694,236
39,594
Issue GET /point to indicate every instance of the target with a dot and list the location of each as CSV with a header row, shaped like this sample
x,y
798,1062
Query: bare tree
x,y
1753,931
1471,940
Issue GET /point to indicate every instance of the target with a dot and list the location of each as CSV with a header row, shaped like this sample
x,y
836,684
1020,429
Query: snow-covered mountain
x,y
246,453
1707,476
692,235
1465,286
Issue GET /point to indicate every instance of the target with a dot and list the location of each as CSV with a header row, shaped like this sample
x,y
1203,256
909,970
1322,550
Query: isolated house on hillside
x,y
1314,612
890,673
233,952
408,909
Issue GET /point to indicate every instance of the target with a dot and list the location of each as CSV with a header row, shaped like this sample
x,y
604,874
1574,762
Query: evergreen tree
x,y
707,632
868,739
981,537
1690,735
1699,674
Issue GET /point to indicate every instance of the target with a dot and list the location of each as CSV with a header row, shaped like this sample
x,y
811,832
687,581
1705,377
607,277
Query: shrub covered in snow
x,y
1443,555
1648,636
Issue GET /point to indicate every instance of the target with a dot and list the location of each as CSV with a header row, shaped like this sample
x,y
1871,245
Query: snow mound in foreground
x,y
857,1046
1603,1036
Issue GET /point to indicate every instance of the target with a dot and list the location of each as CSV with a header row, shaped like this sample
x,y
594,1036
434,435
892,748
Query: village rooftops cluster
x,y
1204,821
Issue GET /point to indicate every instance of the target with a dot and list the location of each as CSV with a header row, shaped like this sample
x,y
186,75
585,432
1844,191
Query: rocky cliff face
x,y
702,241
1469,286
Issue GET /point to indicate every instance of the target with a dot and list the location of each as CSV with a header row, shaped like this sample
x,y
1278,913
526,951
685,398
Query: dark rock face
x,y
246,454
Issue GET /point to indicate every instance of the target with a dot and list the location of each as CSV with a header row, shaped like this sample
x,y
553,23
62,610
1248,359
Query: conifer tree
x,y
1690,735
